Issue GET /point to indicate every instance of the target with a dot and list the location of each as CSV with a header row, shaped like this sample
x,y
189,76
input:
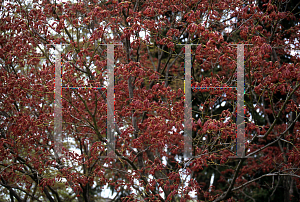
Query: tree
x,y
149,100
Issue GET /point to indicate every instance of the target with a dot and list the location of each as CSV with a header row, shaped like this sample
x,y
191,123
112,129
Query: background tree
x,y
149,98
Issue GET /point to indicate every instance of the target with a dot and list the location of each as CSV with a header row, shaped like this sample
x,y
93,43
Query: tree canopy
x,y
149,97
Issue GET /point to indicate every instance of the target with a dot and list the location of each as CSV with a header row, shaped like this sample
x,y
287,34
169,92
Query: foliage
x,y
149,100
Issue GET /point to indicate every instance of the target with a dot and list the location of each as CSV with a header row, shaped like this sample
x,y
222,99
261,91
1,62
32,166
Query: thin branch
x,y
266,175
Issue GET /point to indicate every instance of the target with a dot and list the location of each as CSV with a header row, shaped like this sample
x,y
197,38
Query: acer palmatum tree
x,y
149,100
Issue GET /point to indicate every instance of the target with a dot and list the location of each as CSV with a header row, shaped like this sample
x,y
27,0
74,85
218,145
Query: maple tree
x,y
149,100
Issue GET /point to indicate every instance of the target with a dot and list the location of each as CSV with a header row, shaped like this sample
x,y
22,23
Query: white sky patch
x,y
211,181
226,119
294,51
107,193
223,103
185,183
